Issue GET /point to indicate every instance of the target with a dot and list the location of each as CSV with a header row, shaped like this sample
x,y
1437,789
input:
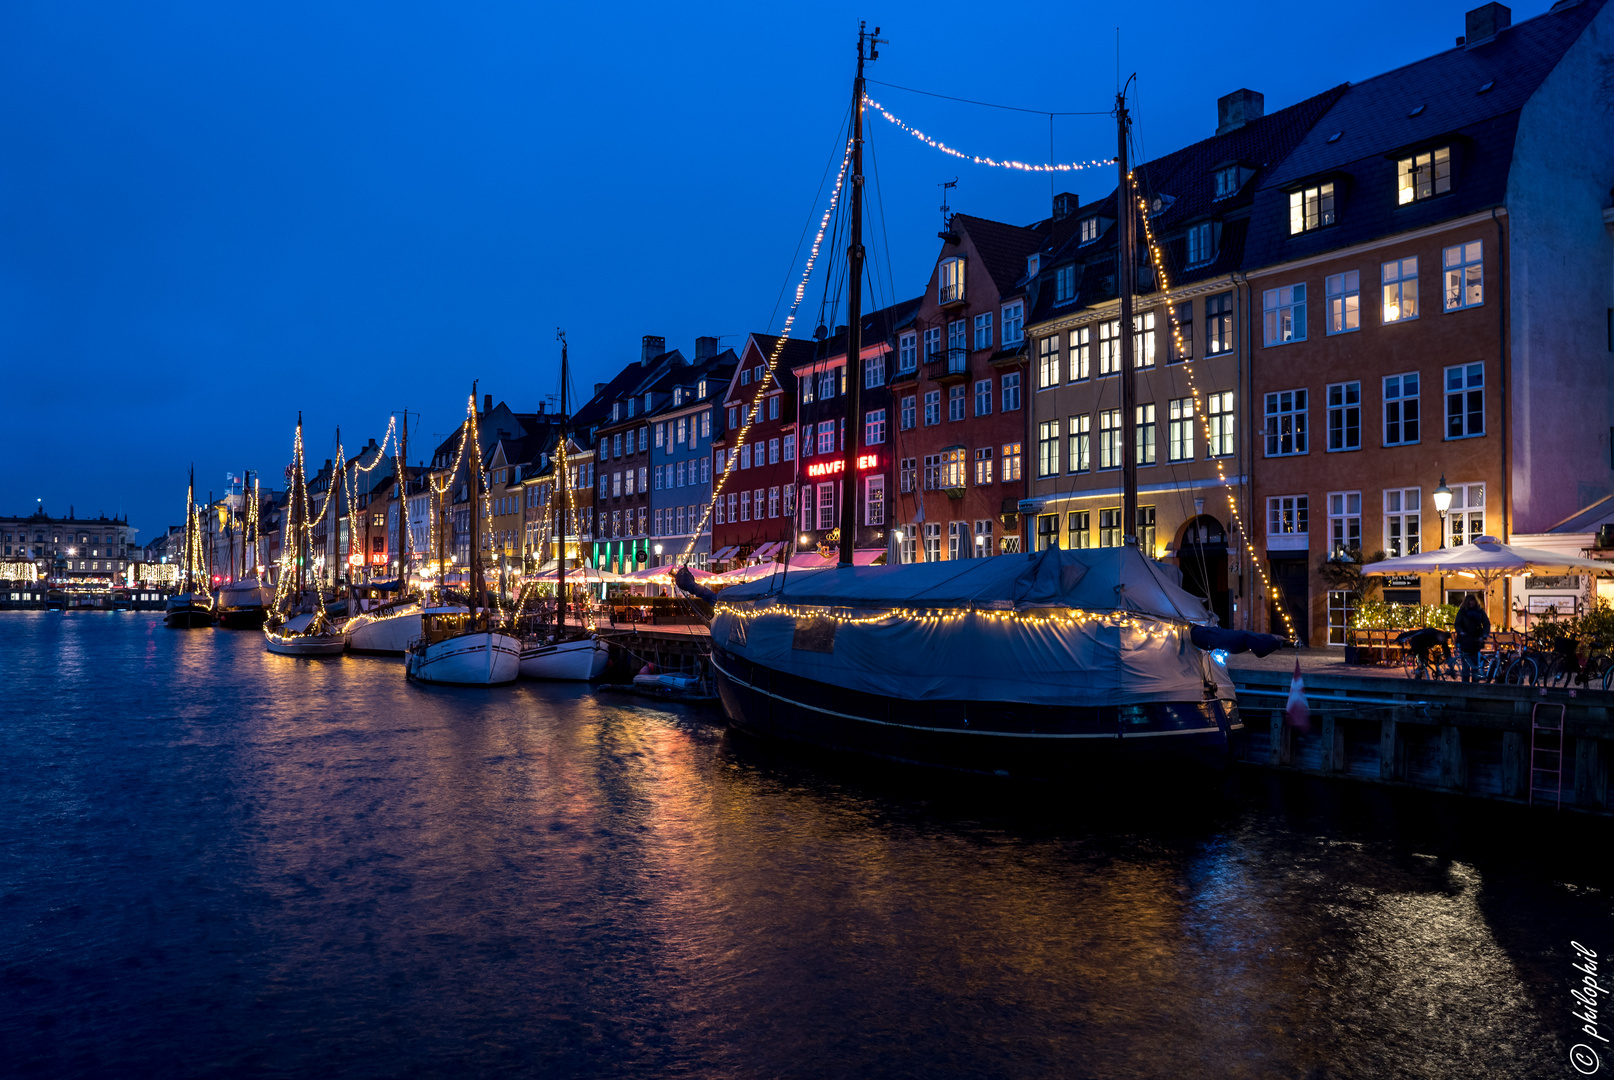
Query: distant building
x,y
69,553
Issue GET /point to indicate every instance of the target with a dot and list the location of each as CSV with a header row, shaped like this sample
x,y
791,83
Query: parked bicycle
x,y
1427,654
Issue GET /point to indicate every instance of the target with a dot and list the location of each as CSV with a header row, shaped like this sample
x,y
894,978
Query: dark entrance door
x,y
1202,558
1289,585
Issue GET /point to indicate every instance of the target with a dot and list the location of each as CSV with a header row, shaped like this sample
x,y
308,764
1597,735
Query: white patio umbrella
x,y
1487,559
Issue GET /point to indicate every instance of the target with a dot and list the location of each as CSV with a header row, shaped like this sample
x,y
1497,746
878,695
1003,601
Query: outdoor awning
x,y
768,550
725,553
1486,558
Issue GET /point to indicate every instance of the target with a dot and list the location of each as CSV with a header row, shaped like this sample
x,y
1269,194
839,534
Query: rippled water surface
x,y
217,862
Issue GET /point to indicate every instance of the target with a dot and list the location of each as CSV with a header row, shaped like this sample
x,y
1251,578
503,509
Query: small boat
x,y
305,634
387,631
189,609
192,606
243,605
666,681
582,659
289,643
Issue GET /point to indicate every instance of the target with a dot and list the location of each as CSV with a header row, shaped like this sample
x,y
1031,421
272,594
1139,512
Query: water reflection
x,y
215,861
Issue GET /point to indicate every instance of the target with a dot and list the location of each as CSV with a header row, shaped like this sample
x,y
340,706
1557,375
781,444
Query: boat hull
x,y
388,636
993,738
243,618
579,660
305,645
187,616
479,658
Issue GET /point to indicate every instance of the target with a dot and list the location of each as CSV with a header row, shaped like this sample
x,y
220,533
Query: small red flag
x,y
1297,713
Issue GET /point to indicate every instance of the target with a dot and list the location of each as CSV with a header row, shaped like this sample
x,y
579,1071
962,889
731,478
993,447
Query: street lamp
x,y
658,554
1442,504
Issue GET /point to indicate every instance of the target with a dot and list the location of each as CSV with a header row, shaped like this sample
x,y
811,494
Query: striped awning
x,y
724,554
768,550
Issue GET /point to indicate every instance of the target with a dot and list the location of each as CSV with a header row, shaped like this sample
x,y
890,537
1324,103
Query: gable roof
x,y
1002,248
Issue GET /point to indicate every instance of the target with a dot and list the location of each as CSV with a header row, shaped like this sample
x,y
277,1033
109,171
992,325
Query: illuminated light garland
x,y
1020,166
1152,628
754,410
1204,420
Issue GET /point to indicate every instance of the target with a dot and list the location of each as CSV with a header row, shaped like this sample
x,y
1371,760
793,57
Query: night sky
x,y
212,217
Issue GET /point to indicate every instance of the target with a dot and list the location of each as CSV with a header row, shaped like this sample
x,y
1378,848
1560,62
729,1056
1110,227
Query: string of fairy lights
x,y
1004,163
1063,618
754,410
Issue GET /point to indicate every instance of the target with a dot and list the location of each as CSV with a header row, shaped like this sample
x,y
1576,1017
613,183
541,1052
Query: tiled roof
x,y
878,325
1003,248
1467,97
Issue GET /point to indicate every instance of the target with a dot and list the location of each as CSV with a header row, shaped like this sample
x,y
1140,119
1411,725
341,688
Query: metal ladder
x,y
1547,754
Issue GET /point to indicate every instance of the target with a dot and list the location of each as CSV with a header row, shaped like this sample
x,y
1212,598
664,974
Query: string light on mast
x,y
1007,163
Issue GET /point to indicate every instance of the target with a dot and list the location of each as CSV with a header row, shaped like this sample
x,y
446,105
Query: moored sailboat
x,y
292,637
192,606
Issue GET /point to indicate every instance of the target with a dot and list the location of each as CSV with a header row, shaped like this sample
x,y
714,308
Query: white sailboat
x,y
565,655
312,634
465,648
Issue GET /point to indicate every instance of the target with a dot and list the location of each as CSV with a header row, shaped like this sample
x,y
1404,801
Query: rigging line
x,y
885,224
990,105
840,145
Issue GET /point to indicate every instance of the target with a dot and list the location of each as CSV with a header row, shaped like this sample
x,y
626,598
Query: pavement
x,y
1320,661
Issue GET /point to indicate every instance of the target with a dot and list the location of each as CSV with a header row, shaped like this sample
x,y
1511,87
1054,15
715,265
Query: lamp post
x,y
658,554
1442,497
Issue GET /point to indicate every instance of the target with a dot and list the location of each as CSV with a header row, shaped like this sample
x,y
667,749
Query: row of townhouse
x,y
1342,305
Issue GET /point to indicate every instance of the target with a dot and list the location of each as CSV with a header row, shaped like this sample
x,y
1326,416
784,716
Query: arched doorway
x,y
1202,558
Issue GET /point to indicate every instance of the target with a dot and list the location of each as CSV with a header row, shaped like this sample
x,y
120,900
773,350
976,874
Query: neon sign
x,y
830,468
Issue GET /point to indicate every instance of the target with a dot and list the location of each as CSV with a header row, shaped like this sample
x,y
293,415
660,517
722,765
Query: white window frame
x,y
1080,351
955,403
1288,523
1285,415
1403,521
1398,280
1283,314
983,330
1220,419
1463,267
1465,388
1343,400
1465,517
983,397
1343,292
950,278
932,408
1079,446
1014,323
1344,521
1009,392
874,499
1396,402
1180,429
874,427
874,372
910,411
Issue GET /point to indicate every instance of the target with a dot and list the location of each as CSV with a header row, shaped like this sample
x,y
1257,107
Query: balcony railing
x,y
950,294
944,362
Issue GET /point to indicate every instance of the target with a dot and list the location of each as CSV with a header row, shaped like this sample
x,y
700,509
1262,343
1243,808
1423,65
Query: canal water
x,y
219,863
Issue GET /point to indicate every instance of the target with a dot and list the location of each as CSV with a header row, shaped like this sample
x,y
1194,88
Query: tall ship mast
x,y
190,608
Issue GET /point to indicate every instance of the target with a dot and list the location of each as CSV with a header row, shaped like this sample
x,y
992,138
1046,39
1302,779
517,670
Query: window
x,y
745,376
826,437
1047,531
1465,276
908,474
1401,520
1109,527
1109,439
1286,423
644,475
907,353
616,485
983,397
1144,433
932,341
1401,409
1180,347
1143,340
1286,516
616,443
658,478
773,403
1199,244
826,506
983,330
660,430
983,466
790,500
1400,280
1465,401
1180,430
1109,347
734,411
874,500
1048,362
1465,520
957,334
686,520
706,425
1065,283
1011,463
933,541
660,524
1344,521
1345,416
983,538
1081,443
1089,230
1011,392
1284,314
953,467
955,402
1081,353
706,471
932,407
644,438
874,427
1227,181
745,456
1145,533
1344,295
907,412
874,372
1423,176
950,281
932,472
1311,208
1219,324
1014,323
1079,526
790,447
808,518
1048,448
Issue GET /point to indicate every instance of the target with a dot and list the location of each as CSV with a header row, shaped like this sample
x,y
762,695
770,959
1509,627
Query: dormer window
x,y
1033,264
1089,230
1227,181
700,389
616,411
950,281
1423,176
756,373
1064,284
1311,208
1201,243
647,403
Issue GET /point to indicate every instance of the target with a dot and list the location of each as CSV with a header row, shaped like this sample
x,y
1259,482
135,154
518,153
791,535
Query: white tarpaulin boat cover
x,y
1116,630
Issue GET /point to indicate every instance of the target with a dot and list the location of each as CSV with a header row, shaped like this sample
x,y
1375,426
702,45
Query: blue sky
x,y
214,215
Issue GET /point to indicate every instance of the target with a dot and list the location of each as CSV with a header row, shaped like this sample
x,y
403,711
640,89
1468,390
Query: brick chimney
x,y
705,348
1237,109
1484,23
1065,204
487,404
651,347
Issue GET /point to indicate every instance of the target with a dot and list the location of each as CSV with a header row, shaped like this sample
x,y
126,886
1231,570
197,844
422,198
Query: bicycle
x,y
1428,654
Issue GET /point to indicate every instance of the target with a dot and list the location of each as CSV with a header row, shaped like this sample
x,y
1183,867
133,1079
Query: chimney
x,y
1237,109
598,387
705,348
1065,204
1484,23
487,404
651,347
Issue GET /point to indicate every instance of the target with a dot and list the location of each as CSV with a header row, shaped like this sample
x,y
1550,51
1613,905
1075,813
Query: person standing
x,y
1472,627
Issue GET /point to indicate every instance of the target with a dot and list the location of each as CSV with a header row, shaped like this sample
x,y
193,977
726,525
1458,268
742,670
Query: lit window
x,y
1080,458
1180,346
1089,230
1109,527
1401,521
1048,362
1219,324
1400,281
953,467
1465,518
1465,276
1143,433
1048,448
1081,353
1080,527
1143,340
1219,419
1011,463
1284,314
1344,521
1109,347
1109,439
950,281
1311,208
1423,176
1287,515
873,500
1180,430
1344,295
983,466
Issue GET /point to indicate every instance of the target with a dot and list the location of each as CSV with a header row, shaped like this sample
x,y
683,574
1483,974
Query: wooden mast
x,y
473,461
560,504
403,505
1126,268
190,517
854,308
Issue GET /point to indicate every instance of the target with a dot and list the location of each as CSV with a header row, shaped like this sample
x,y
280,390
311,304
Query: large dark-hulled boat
x,y
192,606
